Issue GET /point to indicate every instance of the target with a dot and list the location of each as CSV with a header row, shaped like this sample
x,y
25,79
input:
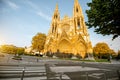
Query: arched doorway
x,y
64,46
80,48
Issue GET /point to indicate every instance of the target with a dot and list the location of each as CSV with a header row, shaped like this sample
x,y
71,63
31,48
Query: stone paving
x,y
37,65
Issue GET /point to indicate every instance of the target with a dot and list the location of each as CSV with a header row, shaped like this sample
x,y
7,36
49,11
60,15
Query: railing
x,y
21,72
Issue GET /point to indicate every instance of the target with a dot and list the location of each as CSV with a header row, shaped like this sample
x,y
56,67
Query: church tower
x,y
77,15
55,20
68,35
79,24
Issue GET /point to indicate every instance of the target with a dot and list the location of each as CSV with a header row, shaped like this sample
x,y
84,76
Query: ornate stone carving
x,y
68,35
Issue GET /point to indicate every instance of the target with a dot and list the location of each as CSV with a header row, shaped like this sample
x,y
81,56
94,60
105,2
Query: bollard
x,y
37,60
118,72
105,75
86,76
23,71
61,76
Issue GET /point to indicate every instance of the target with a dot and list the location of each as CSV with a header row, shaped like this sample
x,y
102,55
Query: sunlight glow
x,y
1,42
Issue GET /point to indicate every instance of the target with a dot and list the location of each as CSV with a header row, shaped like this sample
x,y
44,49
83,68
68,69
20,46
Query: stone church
x,y
68,35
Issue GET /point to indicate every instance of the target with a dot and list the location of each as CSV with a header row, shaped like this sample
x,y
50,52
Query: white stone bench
x,y
53,75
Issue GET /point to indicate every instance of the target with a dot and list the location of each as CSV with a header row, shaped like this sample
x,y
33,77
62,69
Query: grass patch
x,y
88,60
84,60
77,59
17,58
102,60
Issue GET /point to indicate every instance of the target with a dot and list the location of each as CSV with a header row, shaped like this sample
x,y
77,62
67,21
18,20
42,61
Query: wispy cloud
x,y
38,11
12,4
31,4
41,14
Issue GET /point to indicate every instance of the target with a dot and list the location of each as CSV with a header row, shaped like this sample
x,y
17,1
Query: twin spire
x,y
77,9
78,17
76,2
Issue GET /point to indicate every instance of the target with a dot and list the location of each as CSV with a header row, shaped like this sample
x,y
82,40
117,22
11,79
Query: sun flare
x,y
1,42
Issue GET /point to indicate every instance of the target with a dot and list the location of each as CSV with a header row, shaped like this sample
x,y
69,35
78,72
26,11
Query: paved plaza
x,y
34,69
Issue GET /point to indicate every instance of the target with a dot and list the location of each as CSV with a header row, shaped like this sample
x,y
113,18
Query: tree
x,y
11,49
104,16
38,42
101,49
20,50
118,55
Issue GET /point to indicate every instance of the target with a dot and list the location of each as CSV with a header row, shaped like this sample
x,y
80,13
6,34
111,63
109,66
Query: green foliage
x,y
49,54
104,16
102,60
17,58
38,42
63,55
20,51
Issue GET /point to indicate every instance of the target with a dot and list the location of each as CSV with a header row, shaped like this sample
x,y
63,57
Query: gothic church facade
x,y
68,35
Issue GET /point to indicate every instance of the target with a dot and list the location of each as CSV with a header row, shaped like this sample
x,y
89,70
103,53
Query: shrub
x,y
49,54
78,56
63,55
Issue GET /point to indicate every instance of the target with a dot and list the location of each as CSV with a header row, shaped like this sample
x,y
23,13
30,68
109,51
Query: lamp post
x,y
110,57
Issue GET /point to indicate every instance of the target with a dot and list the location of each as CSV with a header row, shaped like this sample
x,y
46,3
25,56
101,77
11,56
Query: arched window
x,y
53,29
76,9
56,16
78,23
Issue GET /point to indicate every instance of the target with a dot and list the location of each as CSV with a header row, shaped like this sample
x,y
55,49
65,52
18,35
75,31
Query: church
x,y
68,35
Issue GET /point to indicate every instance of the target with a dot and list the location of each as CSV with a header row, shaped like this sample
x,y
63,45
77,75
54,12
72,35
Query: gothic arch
x,y
80,38
64,46
80,48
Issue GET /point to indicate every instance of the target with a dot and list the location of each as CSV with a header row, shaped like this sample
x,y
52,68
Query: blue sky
x,y
20,20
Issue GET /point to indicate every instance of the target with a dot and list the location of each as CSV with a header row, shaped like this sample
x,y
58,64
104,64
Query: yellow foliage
x,y
101,48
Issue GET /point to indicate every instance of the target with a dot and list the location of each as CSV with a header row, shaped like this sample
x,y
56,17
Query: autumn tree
x,y
112,53
20,50
104,17
101,49
38,42
118,54
11,49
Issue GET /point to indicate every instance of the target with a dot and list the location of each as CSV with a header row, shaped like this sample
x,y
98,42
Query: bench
x,y
53,75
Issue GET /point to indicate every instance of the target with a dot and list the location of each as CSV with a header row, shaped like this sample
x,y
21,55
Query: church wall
x,y
69,35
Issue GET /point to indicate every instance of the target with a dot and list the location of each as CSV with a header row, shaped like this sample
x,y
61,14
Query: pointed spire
x,y
77,8
76,2
56,13
56,7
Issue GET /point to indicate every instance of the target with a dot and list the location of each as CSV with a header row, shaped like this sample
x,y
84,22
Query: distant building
x,y
68,35
28,49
